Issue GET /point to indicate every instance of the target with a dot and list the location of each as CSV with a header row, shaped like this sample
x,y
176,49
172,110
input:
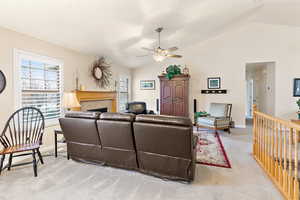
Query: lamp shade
x,y
70,100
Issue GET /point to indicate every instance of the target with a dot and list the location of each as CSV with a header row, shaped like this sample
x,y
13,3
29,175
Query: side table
x,y
58,132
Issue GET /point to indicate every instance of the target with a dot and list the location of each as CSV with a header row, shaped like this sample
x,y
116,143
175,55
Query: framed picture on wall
x,y
297,87
147,85
214,83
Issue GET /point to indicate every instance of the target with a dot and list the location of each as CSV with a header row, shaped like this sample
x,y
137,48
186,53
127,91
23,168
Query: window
x,y
123,94
39,84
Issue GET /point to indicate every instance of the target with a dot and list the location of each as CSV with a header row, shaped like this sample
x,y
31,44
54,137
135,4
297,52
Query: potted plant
x,y
173,70
298,103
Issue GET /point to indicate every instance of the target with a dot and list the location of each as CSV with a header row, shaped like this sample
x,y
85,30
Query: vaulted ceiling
x,y
119,28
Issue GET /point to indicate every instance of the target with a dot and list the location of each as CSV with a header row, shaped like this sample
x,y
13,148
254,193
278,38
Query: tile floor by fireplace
x,y
62,179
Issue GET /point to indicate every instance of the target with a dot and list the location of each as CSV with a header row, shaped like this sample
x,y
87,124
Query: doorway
x,y
260,88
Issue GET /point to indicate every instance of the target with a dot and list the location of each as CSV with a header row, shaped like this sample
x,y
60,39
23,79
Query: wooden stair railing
x,y
275,148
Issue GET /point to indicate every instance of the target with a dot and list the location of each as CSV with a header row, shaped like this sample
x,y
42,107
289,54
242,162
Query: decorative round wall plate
x,y
2,82
101,72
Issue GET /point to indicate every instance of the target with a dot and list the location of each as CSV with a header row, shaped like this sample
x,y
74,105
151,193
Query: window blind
x,y
123,94
41,87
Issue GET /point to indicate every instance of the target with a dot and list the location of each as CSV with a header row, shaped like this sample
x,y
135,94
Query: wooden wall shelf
x,y
213,91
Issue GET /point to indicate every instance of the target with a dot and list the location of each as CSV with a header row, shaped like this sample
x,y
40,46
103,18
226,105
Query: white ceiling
x,y
119,28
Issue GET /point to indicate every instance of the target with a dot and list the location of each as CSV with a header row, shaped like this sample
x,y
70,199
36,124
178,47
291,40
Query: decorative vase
x,y
82,87
185,70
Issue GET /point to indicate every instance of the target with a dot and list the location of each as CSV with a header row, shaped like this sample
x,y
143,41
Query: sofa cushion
x,y
164,119
85,115
118,116
213,121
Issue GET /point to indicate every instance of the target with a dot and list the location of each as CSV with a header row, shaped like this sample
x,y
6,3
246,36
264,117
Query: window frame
x,y
18,56
119,91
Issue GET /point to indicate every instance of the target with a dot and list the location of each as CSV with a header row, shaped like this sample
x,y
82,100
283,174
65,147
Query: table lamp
x,y
70,101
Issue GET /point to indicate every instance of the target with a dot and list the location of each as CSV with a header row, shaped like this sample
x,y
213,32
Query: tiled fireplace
x,y
97,104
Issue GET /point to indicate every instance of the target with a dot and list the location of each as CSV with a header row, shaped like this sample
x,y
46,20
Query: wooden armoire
x,y
174,95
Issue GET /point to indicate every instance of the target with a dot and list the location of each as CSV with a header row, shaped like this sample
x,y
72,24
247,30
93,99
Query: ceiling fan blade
x,y
148,49
172,49
143,55
174,56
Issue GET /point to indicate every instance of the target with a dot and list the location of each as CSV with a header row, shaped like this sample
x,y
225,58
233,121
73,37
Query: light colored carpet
x,y
60,179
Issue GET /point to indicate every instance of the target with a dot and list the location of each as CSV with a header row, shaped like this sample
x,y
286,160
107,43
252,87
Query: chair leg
x,y
40,156
10,161
34,163
1,162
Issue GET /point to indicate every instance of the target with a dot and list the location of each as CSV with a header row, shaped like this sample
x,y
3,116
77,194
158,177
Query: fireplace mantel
x,y
98,96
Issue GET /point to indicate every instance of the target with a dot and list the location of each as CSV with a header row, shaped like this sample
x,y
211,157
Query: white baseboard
x,y
240,126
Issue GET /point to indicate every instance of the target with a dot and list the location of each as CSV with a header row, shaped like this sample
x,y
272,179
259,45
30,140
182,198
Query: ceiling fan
x,y
159,54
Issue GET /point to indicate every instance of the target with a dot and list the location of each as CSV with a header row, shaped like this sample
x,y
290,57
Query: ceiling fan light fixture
x,y
160,54
158,57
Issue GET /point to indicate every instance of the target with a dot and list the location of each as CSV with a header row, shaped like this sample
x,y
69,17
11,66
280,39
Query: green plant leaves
x,y
173,70
298,103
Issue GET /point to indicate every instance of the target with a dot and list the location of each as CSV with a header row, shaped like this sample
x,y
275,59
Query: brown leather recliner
x,y
153,144
82,137
165,146
116,135
89,138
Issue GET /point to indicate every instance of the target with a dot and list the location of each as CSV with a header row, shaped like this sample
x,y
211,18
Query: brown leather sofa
x,y
162,146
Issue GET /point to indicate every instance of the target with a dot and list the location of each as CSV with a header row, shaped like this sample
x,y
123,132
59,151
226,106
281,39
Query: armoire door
x,y
178,94
166,104
174,95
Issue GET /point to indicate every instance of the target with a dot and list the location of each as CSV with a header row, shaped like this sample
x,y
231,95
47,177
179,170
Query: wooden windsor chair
x,y
23,132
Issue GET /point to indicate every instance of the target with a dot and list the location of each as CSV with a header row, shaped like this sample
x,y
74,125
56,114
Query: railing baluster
x,y
261,138
258,137
280,156
276,174
273,156
290,161
284,161
268,147
270,158
296,182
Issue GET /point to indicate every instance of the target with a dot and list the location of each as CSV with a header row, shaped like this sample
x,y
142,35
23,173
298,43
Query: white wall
x,y
226,56
72,61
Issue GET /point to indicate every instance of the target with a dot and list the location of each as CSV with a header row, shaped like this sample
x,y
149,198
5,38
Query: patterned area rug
x,y
210,150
